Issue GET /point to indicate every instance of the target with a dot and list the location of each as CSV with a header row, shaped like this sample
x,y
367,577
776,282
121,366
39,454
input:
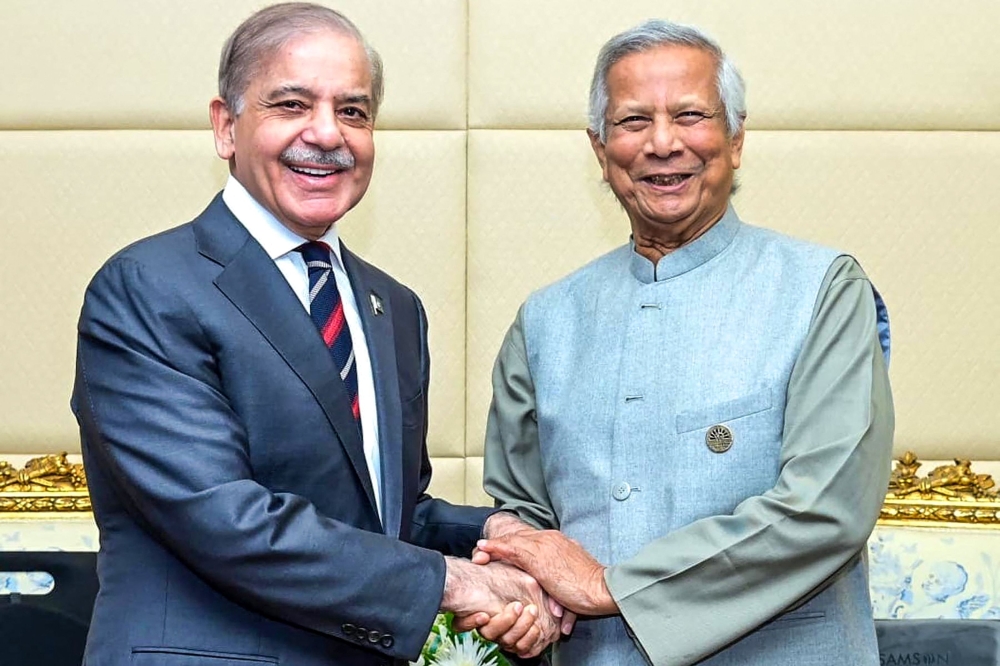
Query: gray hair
x,y
650,35
267,30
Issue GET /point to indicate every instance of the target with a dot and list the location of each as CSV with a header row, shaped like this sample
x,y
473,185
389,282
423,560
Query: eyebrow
x,y
355,99
288,89
297,89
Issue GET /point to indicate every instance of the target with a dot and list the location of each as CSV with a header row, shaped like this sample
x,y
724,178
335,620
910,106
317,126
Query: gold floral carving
x,y
948,494
49,484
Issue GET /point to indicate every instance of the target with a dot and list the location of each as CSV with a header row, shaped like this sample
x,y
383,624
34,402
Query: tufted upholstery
x,y
873,127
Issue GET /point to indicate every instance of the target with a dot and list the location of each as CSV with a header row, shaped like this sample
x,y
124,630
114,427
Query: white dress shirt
x,y
280,242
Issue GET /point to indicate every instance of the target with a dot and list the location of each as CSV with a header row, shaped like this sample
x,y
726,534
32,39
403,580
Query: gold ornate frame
x,y
948,495
47,485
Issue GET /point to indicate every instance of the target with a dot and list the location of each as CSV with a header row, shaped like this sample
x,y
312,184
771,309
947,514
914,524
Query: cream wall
x,y
874,127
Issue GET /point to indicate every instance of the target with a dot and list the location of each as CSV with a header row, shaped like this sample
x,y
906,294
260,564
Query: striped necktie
x,y
327,311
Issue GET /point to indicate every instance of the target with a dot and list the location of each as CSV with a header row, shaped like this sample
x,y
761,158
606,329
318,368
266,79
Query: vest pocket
x,y
172,656
794,619
730,410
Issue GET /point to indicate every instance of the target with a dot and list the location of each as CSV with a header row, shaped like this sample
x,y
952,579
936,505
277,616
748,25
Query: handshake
x,y
524,587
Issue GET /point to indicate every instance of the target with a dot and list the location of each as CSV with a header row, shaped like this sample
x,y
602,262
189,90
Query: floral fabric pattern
x,y
79,535
934,573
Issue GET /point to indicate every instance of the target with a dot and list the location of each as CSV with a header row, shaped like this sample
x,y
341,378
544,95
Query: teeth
x,y
312,172
667,180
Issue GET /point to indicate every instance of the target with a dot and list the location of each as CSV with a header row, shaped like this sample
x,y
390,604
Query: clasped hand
x,y
538,579
507,605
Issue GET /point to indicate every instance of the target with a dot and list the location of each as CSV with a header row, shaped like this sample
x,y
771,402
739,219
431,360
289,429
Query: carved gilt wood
x,y
948,495
48,484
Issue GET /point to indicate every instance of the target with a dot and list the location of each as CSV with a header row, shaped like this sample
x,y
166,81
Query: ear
x,y
223,127
599,148
736,147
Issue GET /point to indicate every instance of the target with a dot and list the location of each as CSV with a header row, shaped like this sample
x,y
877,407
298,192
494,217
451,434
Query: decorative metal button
x,y
719,439
621,491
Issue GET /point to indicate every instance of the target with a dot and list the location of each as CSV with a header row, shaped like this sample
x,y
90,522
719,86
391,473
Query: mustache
x,y
339,158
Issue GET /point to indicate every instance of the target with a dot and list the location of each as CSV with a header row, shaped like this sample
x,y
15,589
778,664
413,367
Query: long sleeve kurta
x,y
691,591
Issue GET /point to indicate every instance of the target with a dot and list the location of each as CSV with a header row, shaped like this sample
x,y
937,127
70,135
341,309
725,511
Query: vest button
x,y
621,491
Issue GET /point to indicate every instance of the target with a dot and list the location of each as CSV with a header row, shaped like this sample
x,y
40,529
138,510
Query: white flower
x,y
418,662
465,651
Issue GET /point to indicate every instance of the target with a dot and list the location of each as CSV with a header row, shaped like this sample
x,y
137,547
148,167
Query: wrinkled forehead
x,y
678,69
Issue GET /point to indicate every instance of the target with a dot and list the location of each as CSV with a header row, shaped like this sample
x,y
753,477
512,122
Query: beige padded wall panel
x,y
125,64
918,208
448,479
474,493
561,217
89,193
412,224
847,64
70,200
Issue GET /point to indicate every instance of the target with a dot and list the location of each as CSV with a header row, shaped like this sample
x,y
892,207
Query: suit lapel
x,y
375,308
252,282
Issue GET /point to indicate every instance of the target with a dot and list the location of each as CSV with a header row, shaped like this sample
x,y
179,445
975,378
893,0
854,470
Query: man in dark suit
x,y
252,399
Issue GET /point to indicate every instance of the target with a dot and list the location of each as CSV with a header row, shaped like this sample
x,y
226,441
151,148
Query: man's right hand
x,y
502,524
503,602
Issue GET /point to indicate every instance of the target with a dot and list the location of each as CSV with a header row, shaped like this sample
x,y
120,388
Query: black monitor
x,y
49,629
951,642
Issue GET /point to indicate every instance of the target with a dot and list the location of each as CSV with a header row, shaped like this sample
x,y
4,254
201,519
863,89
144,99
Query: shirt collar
x,y
690,256
276,239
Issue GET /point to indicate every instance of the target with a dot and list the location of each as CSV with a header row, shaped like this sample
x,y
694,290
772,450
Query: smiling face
x,y
303,145
667,156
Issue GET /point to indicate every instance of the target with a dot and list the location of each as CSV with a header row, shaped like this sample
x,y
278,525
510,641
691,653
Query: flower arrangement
x,y
446,647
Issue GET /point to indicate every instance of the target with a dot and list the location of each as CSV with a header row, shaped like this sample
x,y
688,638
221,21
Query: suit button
x,y
348,629
360,633
388,641
374,636
621,491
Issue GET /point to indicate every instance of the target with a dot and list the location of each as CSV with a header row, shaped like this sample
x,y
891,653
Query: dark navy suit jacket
x,y
237,517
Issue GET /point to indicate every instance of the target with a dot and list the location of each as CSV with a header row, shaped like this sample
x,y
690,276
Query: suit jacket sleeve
x,y
153,411
438,524
689,593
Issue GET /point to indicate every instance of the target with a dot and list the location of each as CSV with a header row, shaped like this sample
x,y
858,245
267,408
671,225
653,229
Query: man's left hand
x,y
560,565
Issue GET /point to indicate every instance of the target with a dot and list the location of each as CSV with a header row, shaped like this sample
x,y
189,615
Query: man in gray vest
x,y
696,428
